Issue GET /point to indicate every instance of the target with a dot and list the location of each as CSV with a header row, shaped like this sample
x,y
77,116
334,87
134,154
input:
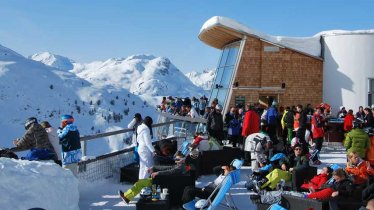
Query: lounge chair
x,y
232,178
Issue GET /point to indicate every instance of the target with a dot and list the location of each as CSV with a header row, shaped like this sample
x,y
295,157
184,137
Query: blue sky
x,y
97,30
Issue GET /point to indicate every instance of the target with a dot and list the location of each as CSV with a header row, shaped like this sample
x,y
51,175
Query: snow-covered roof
x,y
220,31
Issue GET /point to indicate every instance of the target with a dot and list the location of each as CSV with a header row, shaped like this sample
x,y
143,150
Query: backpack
x,y
253,143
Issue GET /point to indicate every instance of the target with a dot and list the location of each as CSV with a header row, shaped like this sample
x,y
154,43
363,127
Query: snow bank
x,y
29,184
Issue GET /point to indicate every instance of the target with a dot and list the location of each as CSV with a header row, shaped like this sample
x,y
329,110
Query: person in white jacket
x,y
53,138
192,112
145,149
133,125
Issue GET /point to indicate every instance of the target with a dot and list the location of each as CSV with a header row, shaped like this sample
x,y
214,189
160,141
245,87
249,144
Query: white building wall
x,y
348,64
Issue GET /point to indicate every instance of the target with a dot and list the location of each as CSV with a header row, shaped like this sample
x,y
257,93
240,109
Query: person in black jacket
x,y
368,197
369,119
215,124
289,120
300,133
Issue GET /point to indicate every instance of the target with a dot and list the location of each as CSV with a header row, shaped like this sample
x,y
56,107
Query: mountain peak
x,y
7,54
53,60
141,57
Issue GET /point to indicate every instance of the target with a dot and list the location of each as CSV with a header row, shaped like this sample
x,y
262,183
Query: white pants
x,y
146,162
73,167
254,164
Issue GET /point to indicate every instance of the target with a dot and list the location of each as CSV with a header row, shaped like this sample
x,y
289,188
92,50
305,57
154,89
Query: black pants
x,y
190,192
300,134
318,142
234,139
217,134
272,129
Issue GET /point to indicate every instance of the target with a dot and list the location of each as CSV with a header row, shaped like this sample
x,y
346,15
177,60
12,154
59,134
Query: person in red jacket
x,y
318,180
318,132
359,168
251,122
342,187
348,121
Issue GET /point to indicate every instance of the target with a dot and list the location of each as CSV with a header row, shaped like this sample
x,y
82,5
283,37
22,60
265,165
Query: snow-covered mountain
x,y
147,76
102,95
53,60
29,88
203,79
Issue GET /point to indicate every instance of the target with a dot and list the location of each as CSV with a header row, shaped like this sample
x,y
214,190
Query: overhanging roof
x,y
219,31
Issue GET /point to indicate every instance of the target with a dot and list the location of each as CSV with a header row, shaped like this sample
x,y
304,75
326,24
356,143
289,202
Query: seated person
x,y
190,192
359,168
318,180
296,161
164,153
201,142
341,187
368,197
180,168
288,164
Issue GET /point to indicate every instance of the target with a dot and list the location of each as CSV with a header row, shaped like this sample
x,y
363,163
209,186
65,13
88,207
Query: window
x,y
240,101
371,92
224,72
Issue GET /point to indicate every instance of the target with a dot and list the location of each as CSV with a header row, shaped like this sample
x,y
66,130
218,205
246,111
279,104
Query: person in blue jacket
x,y
271,118
68,135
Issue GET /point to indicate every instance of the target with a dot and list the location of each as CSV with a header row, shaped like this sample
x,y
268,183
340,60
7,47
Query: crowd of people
x,y
275,142
193,107
300,131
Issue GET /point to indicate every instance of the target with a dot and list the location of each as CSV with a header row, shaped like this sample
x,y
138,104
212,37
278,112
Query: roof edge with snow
x,y
219,31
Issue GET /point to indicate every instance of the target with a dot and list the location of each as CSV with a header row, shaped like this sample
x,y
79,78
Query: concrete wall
x,y
348,63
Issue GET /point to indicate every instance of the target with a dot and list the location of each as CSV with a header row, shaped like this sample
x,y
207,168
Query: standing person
x,y
369,118
135,122
272,119
202,105
206,112
215,124
251,122
68,135
318,131
348,121
360,114
357,140
192,112
300,133
233,130
342,112
36,140
288,124
53,138
196,104
146,150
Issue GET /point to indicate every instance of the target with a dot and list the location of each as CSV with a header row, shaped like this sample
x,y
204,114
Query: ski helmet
x,y
67,118
30,121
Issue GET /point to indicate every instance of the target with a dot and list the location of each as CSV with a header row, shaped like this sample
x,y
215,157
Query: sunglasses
x,y
297,149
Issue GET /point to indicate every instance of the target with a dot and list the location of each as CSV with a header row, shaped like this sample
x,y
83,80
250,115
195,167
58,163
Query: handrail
x,y
95,136
87,138
182,118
